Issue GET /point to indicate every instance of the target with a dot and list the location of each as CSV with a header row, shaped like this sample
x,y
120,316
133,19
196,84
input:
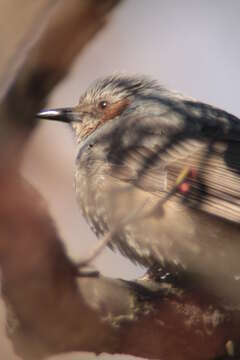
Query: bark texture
x,y
50,308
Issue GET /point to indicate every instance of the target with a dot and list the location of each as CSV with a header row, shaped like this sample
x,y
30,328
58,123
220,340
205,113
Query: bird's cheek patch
x,y
114,110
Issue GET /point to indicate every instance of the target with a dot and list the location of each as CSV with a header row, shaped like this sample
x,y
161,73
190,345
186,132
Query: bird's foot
x,y
87,271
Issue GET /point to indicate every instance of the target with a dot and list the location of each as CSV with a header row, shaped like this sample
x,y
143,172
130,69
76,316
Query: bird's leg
x,y
84,263
87,272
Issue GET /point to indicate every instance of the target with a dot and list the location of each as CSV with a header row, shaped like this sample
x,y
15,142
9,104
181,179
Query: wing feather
x,y
212,152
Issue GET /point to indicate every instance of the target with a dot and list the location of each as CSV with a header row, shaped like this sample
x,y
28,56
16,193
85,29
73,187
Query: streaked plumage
x,y
130,153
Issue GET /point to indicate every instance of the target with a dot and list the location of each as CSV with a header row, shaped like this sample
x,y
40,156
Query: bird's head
x,y
106,100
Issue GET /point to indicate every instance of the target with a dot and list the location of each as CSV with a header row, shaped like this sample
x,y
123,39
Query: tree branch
x,y
51,309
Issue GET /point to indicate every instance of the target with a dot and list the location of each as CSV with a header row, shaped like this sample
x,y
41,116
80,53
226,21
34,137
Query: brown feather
x,y
215,189
114,110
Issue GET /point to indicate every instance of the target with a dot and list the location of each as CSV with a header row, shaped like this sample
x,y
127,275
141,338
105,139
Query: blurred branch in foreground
x,y
51,309
58,312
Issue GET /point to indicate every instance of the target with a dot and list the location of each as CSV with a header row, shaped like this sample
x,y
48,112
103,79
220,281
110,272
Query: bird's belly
x,y
90,199
174,234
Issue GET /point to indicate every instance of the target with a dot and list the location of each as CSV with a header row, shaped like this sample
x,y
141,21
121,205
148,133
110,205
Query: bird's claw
x,y
87,271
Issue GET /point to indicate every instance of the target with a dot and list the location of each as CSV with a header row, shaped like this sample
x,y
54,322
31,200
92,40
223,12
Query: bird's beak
x,y
62,114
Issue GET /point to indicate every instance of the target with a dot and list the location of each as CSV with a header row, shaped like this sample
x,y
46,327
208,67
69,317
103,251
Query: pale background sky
x,y
190,45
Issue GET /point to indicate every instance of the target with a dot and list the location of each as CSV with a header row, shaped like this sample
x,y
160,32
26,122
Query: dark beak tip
x,y
47,114
63,115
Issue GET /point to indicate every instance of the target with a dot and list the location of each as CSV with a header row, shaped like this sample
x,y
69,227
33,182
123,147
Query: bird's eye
x,y
103,104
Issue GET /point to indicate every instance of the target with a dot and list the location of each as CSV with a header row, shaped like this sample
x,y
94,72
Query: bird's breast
x,y
89,181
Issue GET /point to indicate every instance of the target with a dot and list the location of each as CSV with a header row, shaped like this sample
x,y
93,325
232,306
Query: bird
x,y
167,162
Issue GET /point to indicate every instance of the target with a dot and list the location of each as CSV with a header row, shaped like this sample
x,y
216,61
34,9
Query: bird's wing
x,y
214,161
